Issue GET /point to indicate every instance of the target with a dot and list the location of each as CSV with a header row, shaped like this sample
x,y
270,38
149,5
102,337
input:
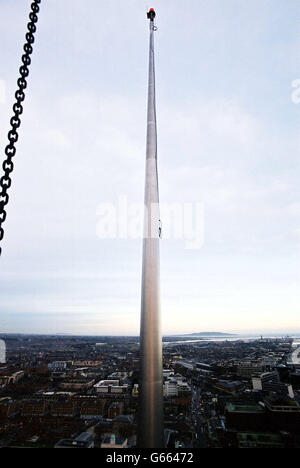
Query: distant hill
x,y
210,334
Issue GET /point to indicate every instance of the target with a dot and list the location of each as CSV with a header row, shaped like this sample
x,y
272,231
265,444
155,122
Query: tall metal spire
x,y
151,430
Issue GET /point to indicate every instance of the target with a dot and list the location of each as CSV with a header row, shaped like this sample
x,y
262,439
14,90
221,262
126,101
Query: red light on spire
x,y
151,14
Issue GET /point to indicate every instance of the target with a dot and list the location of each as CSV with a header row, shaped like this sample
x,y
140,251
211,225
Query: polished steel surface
x,y
150,431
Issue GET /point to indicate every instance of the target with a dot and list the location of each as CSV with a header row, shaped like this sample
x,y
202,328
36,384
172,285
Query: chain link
x,y
15,121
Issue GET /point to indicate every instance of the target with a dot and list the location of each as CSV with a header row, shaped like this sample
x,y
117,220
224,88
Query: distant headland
x,y
210,334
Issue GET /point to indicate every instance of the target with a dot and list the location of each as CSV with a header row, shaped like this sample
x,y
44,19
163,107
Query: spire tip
x,y
151,14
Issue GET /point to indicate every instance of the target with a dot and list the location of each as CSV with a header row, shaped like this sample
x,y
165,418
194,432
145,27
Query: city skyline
x,y
228,138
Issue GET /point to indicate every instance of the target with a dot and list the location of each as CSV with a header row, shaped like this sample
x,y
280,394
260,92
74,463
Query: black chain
x,y
15,121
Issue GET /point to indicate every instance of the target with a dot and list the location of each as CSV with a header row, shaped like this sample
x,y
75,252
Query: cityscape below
x,y
220,391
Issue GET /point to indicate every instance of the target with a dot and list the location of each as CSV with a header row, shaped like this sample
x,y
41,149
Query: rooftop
x,y
244,408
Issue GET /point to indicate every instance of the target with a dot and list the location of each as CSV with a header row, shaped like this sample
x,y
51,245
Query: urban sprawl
x,y
82,392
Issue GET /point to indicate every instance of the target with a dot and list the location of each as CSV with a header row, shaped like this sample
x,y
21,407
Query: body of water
x,y
246,338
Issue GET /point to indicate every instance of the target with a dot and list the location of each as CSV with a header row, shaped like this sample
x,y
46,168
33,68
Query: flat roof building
x,y
110,386
84,440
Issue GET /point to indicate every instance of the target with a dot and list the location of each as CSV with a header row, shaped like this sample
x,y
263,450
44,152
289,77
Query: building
x,y
57,366
9,378
273,416
87,363
270,382
8,408
260,381
186,364
170,388
175,387
84,440
114,442
283,414
103,428
203,368
37,368
115,409
167,373
259,440
228,386
111,387
245,416
123,425
249,368
77,384
121,376
62,408
92,409
37,408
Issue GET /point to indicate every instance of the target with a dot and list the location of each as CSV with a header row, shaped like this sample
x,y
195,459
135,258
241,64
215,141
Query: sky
x,y
228,139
